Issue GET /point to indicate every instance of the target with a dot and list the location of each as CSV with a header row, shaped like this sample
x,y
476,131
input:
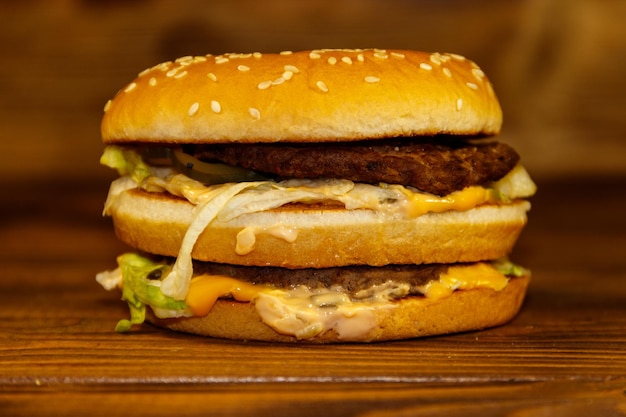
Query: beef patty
x,y
355,280
438,166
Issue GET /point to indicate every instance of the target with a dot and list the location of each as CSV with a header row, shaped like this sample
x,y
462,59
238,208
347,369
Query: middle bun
x,y
156,223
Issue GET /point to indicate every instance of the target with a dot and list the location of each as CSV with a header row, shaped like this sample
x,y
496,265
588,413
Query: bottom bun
x,y
463,310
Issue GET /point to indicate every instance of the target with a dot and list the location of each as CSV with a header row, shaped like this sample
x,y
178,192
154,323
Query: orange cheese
x,y
480,275
466,199
204,290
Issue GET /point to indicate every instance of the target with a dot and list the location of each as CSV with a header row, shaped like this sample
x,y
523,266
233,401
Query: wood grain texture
x,y
565,354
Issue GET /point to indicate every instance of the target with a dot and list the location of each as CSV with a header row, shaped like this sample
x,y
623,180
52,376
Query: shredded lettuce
x,y
176,283
138,290
126,162
509,269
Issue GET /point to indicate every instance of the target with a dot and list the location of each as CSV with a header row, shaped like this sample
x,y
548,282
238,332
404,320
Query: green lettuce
x,y
126,162
138,290
509,269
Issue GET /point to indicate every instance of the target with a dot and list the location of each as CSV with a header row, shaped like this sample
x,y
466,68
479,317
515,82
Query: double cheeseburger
x,y
319,196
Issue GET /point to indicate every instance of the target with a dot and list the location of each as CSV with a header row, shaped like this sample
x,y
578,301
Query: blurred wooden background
x,y
558,66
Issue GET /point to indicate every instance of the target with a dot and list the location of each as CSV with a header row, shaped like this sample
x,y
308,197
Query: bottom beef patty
x,y
355,280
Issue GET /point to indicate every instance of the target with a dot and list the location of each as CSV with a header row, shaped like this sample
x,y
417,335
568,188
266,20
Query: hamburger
x,y
317,196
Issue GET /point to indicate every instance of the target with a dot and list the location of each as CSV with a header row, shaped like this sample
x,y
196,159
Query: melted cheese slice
x,y
480,275
305,313
466,199
204,290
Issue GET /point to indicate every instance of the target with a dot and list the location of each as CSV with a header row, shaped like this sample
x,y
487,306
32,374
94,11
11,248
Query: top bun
x,y
311,96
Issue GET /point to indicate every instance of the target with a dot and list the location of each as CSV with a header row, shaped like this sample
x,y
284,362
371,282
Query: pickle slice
x,y
211,173
157,156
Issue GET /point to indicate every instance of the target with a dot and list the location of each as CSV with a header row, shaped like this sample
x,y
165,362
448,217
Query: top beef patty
x,y
438,166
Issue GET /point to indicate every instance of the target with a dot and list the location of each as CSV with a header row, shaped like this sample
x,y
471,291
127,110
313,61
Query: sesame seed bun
x,y
312,96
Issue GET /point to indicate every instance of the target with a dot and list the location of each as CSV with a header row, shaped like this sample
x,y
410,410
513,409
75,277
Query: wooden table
x,y
565,354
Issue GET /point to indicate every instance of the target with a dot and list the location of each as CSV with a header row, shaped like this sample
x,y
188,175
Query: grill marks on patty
x,y
353,279
438,166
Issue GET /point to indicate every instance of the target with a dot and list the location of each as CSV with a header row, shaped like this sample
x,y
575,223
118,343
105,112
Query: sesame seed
x,y
292,68
472,86
457,57
193,109
172,72
184,59
255,113
164,66
286,52
371,79
381,55
435,59
152,82
197,59
107,105
478,73
144,72
346,60
257,55
221,60
212,76
287,75
180,75
130,87
397,55
425,66
360,58
459,103
215,106
322,86
243,68
314,55
264,85
447,72
278,81
332,60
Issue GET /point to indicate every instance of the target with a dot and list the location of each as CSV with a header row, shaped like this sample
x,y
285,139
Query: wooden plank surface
x,y
565,354
557,67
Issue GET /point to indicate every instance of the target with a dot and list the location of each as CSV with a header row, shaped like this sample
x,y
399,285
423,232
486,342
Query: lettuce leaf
x,y
138,290
509,269
126,162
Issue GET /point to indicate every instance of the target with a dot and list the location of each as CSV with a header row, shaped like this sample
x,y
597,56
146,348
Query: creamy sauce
x,y
246,238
